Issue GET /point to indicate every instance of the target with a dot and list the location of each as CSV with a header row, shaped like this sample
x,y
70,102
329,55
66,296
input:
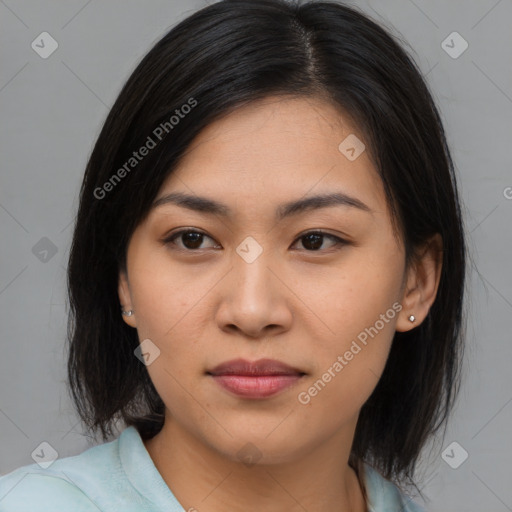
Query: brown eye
x,y
313,240
190,239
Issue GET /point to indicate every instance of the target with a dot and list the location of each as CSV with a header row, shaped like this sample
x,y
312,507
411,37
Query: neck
x,y
202,479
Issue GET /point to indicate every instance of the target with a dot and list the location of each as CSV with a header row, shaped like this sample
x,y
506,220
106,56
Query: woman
x,y
266,275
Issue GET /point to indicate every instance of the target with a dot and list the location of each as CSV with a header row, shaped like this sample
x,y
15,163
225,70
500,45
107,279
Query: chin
x,y
264,449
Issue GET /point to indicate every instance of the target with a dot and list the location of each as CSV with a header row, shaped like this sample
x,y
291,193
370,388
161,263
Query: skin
x,y
294,304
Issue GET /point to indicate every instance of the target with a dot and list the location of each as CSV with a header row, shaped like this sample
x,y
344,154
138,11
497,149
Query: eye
x,y
191,241
313,240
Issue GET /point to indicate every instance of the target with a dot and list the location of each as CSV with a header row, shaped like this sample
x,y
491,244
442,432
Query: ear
x,y
125,298
422,283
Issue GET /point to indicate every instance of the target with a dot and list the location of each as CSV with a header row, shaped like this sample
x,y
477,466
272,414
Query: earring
x,y
412,318
128,313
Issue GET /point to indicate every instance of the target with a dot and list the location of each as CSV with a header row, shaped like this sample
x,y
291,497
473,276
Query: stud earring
x,y
412,318
128,313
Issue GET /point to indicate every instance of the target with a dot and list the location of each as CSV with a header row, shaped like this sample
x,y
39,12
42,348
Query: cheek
x,y
347,372
172,315
165,296
355,296
360,308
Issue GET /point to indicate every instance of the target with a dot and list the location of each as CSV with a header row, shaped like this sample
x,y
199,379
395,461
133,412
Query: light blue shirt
x,y
120,476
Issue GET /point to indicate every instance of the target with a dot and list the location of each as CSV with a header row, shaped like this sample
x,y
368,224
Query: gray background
x,y
52,110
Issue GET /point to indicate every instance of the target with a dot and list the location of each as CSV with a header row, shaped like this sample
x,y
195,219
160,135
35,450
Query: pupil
x,y
193,238
316,239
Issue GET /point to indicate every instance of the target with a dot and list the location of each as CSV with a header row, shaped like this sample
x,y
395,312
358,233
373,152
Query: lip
x,y
256,379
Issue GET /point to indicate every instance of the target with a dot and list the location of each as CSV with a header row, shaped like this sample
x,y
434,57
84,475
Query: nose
x,y
255,300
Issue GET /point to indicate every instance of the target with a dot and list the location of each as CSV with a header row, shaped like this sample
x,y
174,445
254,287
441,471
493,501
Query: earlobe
x,y
422,285
126,306
409,308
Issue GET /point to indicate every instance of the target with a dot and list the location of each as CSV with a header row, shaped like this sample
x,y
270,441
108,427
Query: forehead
x,y
277,149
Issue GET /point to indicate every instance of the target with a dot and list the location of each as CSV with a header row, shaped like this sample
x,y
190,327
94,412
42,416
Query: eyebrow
x,y
210,206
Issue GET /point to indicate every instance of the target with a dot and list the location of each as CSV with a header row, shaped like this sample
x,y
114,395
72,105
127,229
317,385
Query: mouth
x,y
258,379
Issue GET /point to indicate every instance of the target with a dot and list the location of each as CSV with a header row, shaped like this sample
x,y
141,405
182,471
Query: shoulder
x,y
385,496
119,475
70,483
28,488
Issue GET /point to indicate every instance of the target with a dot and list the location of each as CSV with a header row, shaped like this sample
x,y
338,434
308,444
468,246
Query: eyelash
x,y
170,239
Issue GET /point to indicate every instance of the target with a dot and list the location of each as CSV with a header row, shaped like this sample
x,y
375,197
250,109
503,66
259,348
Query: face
x,y
258,281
